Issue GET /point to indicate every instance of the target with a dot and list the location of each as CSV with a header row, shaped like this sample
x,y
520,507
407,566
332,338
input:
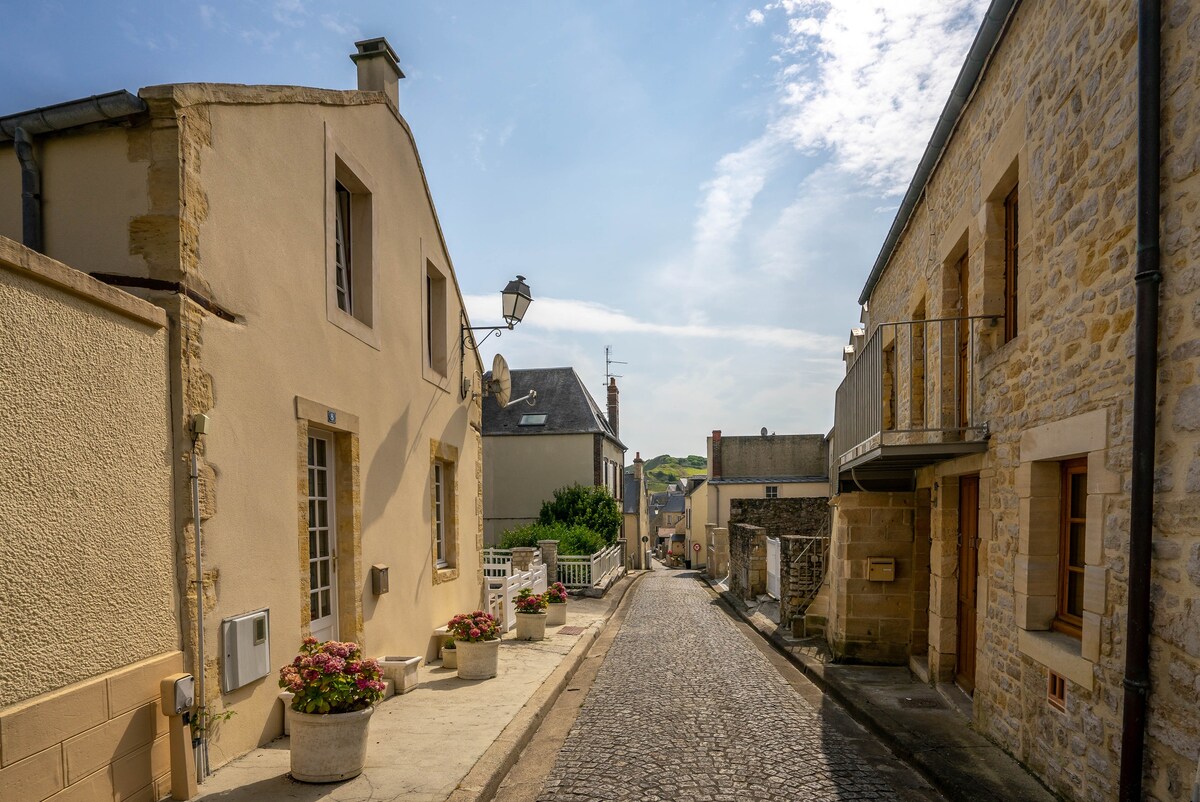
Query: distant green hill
x,y
665,469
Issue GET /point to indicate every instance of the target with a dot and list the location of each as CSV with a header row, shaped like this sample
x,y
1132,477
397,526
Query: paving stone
x,y
685,708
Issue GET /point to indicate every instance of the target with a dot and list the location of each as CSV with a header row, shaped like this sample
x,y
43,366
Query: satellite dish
x,y
763,431
500,384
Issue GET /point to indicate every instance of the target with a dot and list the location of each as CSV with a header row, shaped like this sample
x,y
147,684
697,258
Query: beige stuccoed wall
x,y
86,561
522,471
263,246
87,579
1058,102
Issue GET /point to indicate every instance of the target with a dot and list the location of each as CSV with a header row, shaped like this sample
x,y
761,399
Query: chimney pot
x,y
613,407
378,68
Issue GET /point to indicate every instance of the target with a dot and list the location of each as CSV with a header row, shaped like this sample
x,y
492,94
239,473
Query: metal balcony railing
x,y
913,384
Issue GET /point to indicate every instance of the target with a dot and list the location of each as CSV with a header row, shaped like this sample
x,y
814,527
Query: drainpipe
x,y
31,191
200,745
1145,402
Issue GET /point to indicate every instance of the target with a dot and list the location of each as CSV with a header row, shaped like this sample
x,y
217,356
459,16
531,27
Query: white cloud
x,y
289,12
866,82
755,17
567,315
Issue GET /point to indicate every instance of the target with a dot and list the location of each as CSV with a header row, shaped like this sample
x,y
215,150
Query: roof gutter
x,y
994,24
21,128
113,107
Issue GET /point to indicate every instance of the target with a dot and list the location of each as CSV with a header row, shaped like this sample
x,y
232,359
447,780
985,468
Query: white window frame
x,y
439,513
771,491
329,621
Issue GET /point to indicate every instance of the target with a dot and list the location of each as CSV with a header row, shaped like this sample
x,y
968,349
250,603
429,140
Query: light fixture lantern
x,y
516,300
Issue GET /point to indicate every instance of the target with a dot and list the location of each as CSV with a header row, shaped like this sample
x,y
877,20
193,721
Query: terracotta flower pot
x,y
531,626
329,747
556,614
477,659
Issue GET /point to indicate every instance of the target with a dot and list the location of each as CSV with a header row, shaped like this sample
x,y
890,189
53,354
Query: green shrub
x,y
573,540
591,507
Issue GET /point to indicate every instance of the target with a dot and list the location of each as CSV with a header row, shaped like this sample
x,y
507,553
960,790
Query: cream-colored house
x,y
314,317
531,450
987,436
635,518
695,516
763,466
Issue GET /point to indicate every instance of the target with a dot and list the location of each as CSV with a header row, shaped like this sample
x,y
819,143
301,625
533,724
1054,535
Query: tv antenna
x,y
608,363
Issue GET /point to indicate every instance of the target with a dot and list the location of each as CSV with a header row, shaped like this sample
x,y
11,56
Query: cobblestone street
x,y
685,707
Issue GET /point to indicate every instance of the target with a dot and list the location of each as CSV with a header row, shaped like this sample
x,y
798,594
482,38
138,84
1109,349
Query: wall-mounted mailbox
x,y
247,641
881,569
379,579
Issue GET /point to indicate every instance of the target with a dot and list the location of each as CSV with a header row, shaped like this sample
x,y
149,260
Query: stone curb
x,y
483,780
926,763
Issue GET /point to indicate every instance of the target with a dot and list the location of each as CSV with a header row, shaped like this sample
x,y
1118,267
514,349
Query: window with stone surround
x,y
1073,523
443,509
351,297
1060,581
1011,261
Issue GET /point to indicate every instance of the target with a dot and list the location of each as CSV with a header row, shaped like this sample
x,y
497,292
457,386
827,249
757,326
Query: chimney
x,y
613,392
637,468
714,468
378,68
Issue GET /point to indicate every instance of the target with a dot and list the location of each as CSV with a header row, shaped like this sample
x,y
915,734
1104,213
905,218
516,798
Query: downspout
x,y
31,191
1145,403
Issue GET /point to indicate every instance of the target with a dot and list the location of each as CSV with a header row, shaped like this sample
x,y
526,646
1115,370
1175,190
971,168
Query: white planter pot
x,y
329,747
531,626
449,658
402,671
477,659
556,615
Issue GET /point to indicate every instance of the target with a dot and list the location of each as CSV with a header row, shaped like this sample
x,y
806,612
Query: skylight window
x,y
533,420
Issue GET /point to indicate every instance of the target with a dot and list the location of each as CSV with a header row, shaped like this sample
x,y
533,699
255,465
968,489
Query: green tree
x,y
572,540
591,507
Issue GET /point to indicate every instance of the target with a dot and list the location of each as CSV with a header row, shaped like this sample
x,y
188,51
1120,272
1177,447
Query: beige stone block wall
x,y
873,621
101,739
1056,114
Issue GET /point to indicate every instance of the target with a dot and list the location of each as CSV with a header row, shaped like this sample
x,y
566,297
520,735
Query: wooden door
x,y
968,575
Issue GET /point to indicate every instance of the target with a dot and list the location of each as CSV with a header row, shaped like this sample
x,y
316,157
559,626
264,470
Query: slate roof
x,y
694,484
631,495
561,396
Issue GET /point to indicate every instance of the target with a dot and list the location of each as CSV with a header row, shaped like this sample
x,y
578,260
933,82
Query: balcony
x,y
909,400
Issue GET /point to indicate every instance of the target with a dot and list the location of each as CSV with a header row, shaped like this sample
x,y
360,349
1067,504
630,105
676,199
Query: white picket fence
x,y
589,570
502,584
773,567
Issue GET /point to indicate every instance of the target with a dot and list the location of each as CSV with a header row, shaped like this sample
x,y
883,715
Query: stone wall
x,y
1055,117
747,560
782,516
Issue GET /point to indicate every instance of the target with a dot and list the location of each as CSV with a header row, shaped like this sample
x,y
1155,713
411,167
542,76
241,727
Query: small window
x,y
1073,525
1011,262
350,297
342,258
435,319
772,491
1056,693
533,420
439,513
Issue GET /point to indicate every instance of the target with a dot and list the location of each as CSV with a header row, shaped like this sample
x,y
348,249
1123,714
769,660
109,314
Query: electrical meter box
x,y
881,569
246,641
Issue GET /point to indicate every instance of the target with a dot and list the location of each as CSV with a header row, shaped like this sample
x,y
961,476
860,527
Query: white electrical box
x,y
247,644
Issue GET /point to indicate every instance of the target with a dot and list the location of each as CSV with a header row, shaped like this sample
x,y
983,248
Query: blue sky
x,y
701,185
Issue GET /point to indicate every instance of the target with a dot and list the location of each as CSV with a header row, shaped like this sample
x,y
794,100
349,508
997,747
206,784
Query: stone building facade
x,y
994,465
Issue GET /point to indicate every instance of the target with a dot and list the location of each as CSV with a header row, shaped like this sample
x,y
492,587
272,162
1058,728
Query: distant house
x,y
531,451
764,466
695,514
636,523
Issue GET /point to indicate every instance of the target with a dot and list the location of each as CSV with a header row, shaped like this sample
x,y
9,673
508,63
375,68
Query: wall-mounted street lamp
x,y
515,299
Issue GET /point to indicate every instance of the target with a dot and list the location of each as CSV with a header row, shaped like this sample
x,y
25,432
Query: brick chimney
x,y
378,68
613,392
714,468
637,468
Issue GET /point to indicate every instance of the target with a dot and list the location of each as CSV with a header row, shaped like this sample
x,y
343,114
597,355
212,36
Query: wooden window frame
x,y
1011,263
1066,620
343,247
1056,691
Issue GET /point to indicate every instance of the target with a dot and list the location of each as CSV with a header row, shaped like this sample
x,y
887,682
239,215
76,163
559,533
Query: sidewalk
x,y
448,739
918,723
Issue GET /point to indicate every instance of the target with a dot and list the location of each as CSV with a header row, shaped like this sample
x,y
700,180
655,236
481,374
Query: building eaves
x,y
767,480
991,31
